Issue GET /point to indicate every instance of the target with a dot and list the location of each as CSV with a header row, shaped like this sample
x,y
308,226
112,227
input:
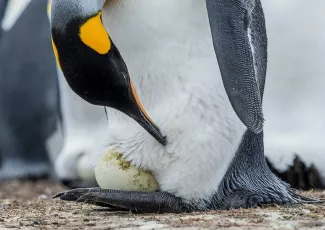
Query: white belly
x,y
168,49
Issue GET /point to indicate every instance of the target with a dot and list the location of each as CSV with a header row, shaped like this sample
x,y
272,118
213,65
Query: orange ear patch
x,y
56,54
93,34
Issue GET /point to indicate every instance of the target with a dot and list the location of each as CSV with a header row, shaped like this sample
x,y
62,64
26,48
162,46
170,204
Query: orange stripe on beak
x,y
134,92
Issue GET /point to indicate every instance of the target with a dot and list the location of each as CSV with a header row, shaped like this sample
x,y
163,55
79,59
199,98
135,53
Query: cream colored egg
x,y
113,172
85,170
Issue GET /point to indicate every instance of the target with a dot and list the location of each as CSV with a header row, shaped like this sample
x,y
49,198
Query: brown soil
x,y
28,205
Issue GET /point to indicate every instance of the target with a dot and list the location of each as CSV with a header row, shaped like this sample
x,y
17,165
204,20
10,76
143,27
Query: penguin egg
x,y
113,172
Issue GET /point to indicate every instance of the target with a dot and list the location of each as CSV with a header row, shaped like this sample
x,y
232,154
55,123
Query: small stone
x,y
35,222
5,202
43,196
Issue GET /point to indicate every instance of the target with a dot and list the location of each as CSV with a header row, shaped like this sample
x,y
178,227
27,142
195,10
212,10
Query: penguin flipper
x,y
240,42
153,202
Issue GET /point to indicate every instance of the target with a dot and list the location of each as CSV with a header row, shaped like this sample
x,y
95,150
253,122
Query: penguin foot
x,y
243,198
161,202
155,202
249,182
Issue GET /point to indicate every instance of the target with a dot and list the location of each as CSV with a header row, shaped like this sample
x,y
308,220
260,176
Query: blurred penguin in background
x,y
294,99
29,98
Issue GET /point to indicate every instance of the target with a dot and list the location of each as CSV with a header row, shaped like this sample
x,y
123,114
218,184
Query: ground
x,y
28,205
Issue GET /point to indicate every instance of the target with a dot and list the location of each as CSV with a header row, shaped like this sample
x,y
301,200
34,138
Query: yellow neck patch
x,y
56,54
94,35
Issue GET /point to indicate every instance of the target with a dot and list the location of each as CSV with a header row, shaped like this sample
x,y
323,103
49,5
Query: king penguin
x,y
29,96
203,141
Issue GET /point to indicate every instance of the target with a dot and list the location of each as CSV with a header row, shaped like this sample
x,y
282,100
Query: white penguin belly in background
x,y
85,171
113,172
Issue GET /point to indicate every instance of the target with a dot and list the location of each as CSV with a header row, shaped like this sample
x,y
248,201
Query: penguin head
x,y
91,63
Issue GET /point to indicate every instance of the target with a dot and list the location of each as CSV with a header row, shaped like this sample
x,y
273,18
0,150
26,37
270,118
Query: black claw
x,y
303,199
58,195
73,194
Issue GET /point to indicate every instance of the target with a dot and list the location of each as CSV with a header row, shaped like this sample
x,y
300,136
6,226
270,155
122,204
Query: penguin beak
x,y
142,117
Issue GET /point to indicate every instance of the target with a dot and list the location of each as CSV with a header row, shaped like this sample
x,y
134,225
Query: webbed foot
x,y
155,202
249,182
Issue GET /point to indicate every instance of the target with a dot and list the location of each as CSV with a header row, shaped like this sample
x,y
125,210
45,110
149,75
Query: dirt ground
x,y
28,205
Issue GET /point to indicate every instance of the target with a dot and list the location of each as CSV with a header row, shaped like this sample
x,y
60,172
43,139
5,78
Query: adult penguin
x,y
29,97
206,142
